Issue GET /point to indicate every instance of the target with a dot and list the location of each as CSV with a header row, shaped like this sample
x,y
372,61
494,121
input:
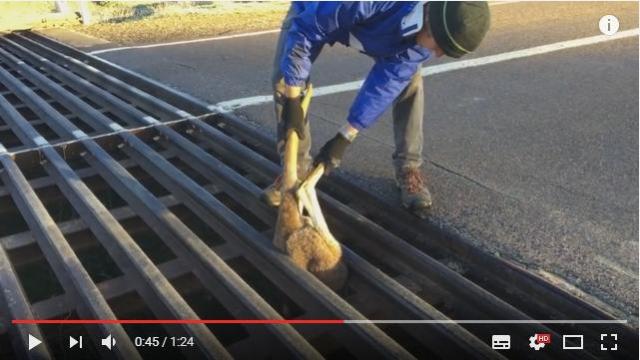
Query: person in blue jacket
x,y
399,36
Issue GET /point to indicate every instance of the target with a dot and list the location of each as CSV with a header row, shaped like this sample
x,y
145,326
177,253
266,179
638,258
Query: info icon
x,y
609,25
501,342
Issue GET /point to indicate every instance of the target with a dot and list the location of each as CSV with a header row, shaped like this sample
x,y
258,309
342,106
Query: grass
x,y
129,23
22,15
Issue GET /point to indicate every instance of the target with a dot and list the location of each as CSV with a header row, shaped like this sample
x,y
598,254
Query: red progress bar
x,y
181,321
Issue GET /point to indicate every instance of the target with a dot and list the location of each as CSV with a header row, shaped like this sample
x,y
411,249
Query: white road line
x,y
224,37
184,42
616,267
498,3
230,105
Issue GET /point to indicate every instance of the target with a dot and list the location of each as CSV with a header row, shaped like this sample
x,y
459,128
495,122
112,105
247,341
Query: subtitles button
x,y
501,342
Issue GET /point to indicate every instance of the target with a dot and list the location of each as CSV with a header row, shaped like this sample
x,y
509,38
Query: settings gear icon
x,y
534,344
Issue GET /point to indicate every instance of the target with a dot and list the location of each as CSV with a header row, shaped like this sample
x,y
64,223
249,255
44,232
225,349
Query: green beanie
x,y
458,27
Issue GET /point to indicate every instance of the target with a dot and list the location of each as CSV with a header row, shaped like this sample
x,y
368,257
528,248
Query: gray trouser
x,y
408,111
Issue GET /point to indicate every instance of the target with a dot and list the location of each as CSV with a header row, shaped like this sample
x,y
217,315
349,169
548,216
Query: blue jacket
x,y
383,30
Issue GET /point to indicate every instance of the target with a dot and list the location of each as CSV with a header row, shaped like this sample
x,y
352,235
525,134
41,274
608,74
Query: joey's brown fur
x,y
306,246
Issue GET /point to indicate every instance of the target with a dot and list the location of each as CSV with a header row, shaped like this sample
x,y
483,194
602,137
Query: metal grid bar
x,y
206,198
208,146
447,279
189,184
43,108
15,301
425,234
392,289
150,276
60,255
112,235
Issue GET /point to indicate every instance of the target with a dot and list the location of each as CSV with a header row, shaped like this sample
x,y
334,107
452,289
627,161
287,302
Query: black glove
x,y
293,116
331,153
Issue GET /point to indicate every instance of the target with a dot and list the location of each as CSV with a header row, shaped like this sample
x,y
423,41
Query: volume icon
x,y
109,342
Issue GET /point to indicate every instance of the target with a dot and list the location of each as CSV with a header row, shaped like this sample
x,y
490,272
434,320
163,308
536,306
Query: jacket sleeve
x,y
315,25
386,80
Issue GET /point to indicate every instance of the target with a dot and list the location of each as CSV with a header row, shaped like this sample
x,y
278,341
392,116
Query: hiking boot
x,y
271,195
414,193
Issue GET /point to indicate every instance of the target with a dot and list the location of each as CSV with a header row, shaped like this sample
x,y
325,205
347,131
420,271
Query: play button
x,y
33,341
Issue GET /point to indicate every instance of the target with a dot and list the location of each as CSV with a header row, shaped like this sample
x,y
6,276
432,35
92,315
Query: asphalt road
x,y
535,159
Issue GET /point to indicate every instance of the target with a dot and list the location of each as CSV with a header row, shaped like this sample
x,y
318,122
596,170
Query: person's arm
x,y
317,24
384,83
386,80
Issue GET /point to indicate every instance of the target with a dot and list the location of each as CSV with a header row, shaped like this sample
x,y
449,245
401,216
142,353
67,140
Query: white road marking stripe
x,y
230,105
96,52
498,3
260,99
616,267
224,37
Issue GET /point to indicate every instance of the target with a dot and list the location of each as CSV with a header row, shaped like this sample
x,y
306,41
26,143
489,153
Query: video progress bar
x,y
301,321
615,321
180,321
